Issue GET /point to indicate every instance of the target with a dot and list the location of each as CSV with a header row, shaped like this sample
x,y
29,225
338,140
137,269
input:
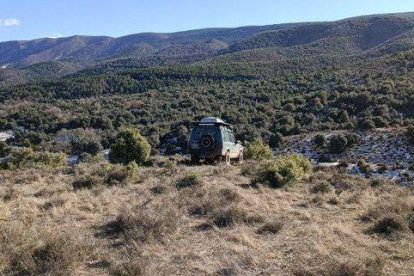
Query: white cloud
x,y
8,22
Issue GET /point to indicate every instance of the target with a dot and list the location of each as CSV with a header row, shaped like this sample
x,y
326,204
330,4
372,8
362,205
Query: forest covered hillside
x,y
377,34
268,81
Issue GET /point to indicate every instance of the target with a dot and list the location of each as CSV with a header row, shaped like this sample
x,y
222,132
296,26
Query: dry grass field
x,y
174,219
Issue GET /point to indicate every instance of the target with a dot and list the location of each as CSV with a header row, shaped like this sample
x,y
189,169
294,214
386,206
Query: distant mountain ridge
x,y
375,34
138,45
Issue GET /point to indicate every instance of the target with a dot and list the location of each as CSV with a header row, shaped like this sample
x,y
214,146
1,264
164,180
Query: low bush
x,y
270,227
87,182
228,217
27,158
257,150
410,134
30,251
389,225
365,167
352,139
319,140
119,174
368,267
190,180
284,170
341,142
276,140
145,224
93,175
321,187
4,149
338,144
229,195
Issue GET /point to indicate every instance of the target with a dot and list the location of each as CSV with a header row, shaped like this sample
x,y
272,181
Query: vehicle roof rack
x,y
212,121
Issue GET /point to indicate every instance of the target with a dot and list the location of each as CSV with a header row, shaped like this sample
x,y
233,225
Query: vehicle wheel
x,y
195,160
241,158
227,159
207,142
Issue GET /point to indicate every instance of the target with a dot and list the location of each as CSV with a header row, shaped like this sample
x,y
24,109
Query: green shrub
x,y
284,170
130,146
119,174
4,149
27,158
319,140
338,144
410,133
94,175
257,150
365,167
366,124
352,139
86,142
276,140
341,142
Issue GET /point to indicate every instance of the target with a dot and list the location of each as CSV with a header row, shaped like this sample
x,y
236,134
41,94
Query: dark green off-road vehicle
x,y
212,139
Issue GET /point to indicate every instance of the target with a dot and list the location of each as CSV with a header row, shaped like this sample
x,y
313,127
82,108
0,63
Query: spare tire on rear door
x,y
207,142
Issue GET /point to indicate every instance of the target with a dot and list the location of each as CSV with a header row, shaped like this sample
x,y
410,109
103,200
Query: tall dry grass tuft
x,y
42,251
143,224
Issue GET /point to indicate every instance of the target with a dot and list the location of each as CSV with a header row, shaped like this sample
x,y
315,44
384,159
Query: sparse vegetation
x,y
190,180
145,224
39,251
139,227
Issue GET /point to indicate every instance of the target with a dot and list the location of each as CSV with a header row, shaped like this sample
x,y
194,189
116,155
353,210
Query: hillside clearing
x,y
221,225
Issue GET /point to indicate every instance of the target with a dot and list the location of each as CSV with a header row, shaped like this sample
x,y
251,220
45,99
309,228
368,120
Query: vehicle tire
x,y
227,160
240,159
195,160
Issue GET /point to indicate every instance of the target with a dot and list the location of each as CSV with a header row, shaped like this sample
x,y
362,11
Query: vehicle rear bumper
x,y
206,155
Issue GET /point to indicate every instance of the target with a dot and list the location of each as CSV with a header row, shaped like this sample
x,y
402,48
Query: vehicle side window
x,y
232,138
225,135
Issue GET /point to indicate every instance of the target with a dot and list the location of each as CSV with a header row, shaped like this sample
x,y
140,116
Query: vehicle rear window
x,y
197,132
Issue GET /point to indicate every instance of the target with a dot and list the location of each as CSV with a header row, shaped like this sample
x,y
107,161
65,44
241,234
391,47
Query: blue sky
x,y
28,19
